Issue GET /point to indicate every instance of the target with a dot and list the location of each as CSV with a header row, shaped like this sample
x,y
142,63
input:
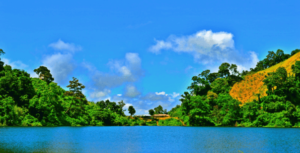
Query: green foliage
x,y
151,112
44,74
224,70
295,51
220,85
225,111
176,111
199,86
131,110
158,110
26,101
77,98
281,108
169,122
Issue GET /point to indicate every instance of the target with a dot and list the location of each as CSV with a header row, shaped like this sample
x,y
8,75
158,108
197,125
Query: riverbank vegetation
x,y
266,96
225,98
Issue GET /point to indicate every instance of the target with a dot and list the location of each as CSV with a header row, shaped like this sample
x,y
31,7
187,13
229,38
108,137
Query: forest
x,y
212,99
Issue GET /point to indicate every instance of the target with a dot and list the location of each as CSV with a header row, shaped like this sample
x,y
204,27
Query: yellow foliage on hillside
x,y
247,90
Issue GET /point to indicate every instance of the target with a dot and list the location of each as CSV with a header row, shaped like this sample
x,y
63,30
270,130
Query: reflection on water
x,y
148,139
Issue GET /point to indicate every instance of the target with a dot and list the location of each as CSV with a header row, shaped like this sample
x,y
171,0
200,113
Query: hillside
x,y
247,90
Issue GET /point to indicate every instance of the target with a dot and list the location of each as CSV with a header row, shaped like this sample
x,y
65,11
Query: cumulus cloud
x,y
100,94
159,46
15,64
125,71
161,93
207,48
60,45
60,66
131,91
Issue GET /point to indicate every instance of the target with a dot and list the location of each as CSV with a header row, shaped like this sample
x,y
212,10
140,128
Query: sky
x,y
143,52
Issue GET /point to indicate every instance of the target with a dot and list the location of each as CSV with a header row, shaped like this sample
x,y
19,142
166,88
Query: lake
x,y
148,139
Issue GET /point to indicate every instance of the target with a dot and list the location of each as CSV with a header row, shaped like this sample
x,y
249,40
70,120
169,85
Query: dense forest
x,y
26,101
208,102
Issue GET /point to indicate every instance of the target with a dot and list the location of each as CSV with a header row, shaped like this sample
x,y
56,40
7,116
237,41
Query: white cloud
x,y
128,70
131,91
60,45
174,95
159,46
202,42
15,64
60,66
160,93
119,94
100,94
126,106
208,48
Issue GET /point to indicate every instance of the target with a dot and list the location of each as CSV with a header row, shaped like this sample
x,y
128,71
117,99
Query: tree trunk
x,y
69,107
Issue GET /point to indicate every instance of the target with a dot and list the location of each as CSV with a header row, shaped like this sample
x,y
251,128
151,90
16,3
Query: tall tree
x,y
44,74
271,58
158,110
131,110
199,86
205,74
224,69
296,70
295,51
233,69
121,104
75,92
279,56
151,112
1,63
212,77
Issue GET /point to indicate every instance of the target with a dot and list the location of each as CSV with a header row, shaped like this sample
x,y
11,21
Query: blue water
x,y
149,139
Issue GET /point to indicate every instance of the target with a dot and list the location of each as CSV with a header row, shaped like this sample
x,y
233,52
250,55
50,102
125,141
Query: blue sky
x,y
142,52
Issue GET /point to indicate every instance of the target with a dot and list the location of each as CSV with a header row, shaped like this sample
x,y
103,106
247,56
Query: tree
x,y
75,91
186,103
296,70
276,79
151,112
279,56
1,63
158,110
233,69
295,51
205,74
271,58
220,85
212,77
131,110
199,86
44,74
121,104
224,69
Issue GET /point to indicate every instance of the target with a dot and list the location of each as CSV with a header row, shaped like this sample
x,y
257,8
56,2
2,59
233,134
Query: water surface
x,y
149,139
